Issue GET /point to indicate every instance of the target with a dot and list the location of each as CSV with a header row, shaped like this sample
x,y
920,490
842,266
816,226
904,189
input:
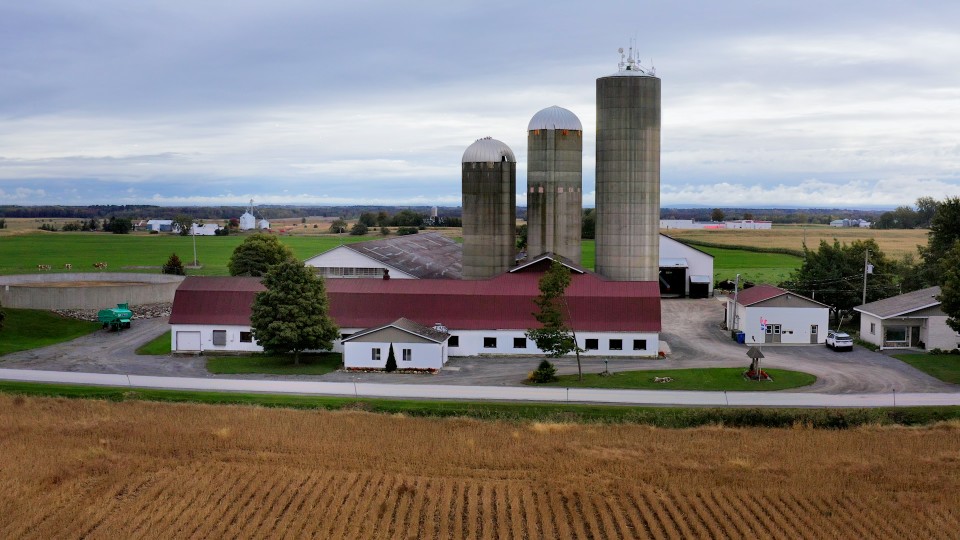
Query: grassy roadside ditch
x,y
666,417
705,379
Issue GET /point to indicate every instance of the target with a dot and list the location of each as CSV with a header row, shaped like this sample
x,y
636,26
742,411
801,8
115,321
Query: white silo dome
x,y
486,150
555,118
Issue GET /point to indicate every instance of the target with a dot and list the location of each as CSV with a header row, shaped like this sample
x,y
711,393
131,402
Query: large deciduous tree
x,y
944,233
292,315
183,224
555,337
257,254
833,274
950,287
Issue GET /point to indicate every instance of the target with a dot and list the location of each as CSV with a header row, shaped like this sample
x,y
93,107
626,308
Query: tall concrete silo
x,y
489,209
628,173
554,183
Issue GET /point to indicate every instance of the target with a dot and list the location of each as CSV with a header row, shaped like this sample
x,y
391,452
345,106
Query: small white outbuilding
x,y
771,315
415,346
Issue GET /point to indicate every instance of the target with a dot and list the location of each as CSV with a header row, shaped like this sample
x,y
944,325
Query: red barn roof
x,y
503,302
760,293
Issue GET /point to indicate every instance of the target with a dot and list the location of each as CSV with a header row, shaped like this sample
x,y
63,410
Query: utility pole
x,y
866,265
736,293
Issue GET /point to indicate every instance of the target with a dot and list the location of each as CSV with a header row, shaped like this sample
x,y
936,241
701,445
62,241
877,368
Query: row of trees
x,y
906,217
834,272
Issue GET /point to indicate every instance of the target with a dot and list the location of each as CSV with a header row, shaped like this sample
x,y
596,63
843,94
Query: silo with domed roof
x,y
554,183
489,208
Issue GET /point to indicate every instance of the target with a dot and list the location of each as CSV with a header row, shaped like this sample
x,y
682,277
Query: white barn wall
x,y
471,342
206,337
358,354
795,324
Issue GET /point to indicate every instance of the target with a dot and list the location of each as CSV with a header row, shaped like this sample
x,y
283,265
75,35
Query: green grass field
x,y
715,379
769,268
156,346
310,364
26,329
20,254
945,367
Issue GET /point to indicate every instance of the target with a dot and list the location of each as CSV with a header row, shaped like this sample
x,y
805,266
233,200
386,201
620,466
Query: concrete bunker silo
x,y
628,173
489,209
554,183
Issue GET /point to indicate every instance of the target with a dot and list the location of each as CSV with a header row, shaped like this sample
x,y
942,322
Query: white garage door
x,y
188,341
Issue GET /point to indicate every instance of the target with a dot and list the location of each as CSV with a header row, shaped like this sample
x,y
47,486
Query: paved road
x,y
497,393
690,327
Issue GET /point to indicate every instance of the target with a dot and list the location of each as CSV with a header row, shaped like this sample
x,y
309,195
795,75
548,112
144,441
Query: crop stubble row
x,y
98,470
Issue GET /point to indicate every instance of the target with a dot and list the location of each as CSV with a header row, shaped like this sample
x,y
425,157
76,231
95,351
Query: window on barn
x,y
454,341
375,354
519,343
489,343
407,355
246,337
873,328
616,344
639,344
220,337
592,344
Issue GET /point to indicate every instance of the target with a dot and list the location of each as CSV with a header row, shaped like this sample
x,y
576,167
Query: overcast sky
x,y
818,103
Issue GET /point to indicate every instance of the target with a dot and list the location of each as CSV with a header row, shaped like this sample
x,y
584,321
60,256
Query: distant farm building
x,y
710,225
160,225
206,229
850,223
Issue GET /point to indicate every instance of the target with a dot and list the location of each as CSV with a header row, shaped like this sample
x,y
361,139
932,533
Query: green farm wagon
x,y
115,318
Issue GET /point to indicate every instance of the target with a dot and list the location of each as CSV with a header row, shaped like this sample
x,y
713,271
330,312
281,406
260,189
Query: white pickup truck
x,y
839,341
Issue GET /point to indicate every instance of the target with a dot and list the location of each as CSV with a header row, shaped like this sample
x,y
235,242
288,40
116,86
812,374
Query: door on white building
x,y
814,334
773,333
188,341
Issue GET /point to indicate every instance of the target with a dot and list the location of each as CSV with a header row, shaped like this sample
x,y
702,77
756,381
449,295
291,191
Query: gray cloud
x,y
215,102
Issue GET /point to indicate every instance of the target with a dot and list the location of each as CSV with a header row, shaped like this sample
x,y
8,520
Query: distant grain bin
x,y
628,173
489,209
554,183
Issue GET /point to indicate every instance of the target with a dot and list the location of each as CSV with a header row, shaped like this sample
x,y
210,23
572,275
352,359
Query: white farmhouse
x,y
771,315
415,346
206,229
914,319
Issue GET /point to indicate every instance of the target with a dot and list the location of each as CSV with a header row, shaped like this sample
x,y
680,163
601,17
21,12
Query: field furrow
x,y
323,483
314,474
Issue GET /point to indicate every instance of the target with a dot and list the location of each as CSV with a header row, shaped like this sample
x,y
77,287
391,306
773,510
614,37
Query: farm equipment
x,y
115,318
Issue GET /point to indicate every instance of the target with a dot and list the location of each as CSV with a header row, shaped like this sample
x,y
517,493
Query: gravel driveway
x,y
690,327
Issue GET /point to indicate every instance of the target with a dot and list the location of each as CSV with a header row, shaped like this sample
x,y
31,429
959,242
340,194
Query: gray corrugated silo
x,y
554,183
628,174
489,209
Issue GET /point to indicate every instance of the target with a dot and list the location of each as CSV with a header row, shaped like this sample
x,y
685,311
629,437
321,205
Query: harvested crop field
x,y
136,470
893,242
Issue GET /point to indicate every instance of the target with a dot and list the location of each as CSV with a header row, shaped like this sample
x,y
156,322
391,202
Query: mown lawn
x,y
157,346
945,367
21,254
310,364
25,329
716,379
